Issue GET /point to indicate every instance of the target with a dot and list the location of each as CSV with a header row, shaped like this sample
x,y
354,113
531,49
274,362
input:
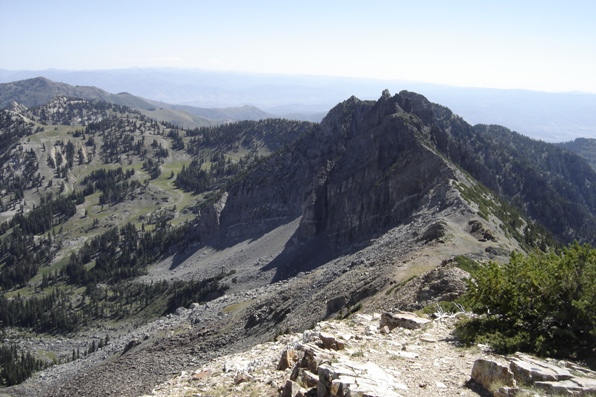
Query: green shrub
x,y
540,303
467,264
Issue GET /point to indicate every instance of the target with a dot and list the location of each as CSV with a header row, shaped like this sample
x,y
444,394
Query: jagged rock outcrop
x,y
335,375
17,108
383,173
207,225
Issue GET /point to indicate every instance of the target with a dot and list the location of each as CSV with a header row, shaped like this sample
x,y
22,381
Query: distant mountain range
x,y
40,91
553,117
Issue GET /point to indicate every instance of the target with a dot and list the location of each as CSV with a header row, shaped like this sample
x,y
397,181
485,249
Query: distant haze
x,y
553,117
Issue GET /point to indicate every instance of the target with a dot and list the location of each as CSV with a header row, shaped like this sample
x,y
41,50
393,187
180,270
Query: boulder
x,y
348,378
326,376
487,372
309,379
341,387
554,379
313,357
403,320
329,341
304,377
288,357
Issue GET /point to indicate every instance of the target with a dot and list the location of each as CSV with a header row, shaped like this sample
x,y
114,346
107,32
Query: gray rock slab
x,y
528,371
558,372
403,320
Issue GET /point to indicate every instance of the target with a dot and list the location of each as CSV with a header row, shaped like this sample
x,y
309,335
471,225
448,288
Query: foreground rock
x,y
338,359
487,372
358,357
553,379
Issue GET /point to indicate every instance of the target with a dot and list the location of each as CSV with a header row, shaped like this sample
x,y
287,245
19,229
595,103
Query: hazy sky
x,y
541,45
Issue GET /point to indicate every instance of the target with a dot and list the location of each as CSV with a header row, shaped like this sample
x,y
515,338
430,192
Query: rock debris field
x,y
366,355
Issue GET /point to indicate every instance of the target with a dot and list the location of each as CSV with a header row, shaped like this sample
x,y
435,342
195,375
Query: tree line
x,y
17,366
20,251
113,184
57,312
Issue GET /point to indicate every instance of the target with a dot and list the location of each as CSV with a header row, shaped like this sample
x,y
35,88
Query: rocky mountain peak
x,y
380,175
374,165
365,170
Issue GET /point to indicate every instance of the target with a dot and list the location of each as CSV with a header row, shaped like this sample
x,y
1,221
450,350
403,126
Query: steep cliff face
x,y
383,173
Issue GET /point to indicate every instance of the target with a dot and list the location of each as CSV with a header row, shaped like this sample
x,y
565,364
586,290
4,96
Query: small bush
x,y
540,303
467,264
